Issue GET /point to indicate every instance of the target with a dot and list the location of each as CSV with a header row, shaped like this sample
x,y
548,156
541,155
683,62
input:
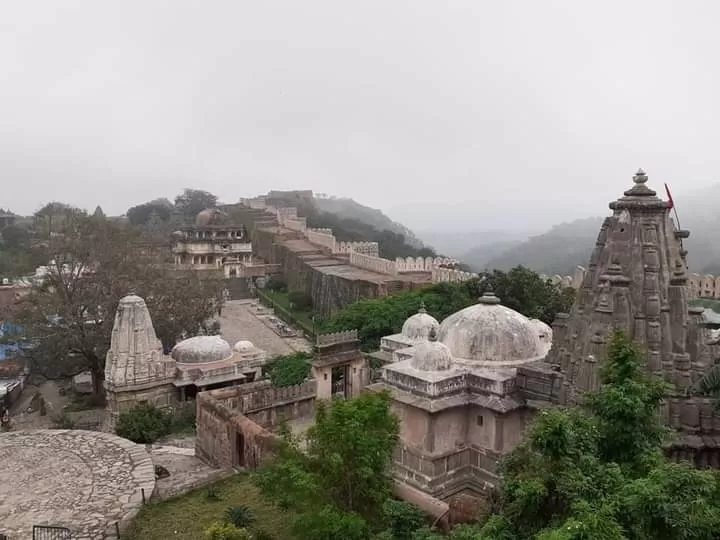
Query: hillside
x,y
557,251
350,209
562,248
352,221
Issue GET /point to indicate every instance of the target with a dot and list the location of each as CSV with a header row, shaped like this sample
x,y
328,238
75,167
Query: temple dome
x,y
244,346
544,331
431,355
418,326
201,349
490,332
210,216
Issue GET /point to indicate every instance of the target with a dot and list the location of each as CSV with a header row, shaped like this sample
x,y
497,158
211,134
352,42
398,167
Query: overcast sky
x,y
445,114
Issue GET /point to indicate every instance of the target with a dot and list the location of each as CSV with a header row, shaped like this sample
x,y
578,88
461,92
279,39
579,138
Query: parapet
x,y
348,336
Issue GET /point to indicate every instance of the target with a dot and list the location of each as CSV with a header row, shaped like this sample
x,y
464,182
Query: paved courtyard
x,y
83,480
241,320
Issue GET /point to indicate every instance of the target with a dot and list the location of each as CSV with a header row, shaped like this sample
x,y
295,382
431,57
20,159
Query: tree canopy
x,y
193,201
598,471
520,289
69,314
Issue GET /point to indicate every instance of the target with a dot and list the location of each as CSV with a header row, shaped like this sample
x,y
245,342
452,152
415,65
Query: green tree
x,y
193,201
597,471
69,314
344,469
288,370
520,289
161,210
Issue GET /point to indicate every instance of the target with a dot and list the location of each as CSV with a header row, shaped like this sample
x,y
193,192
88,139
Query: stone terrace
x,y
240,320
83,480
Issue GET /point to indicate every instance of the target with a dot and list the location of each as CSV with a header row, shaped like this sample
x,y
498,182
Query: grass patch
x,y
281,302
187,516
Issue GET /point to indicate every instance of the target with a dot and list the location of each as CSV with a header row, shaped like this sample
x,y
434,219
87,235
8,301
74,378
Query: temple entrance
x,y
239,453
340,382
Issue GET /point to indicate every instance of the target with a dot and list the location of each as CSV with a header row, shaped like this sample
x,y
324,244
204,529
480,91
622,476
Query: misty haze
x,y
418,270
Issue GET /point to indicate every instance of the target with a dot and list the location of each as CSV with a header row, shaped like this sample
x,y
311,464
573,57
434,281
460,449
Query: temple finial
x,y
640,177
422,307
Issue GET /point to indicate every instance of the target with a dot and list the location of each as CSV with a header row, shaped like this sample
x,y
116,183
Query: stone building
x,y
637,282
213,243
453,387
137,371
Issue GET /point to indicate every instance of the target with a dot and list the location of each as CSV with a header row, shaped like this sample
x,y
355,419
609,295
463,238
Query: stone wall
x,y
704,286
374,264
423,264
234,424
442,275
367,248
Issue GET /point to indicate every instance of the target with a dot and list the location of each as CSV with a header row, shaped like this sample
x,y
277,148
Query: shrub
x,y
300,300
221,531
276,283
240,516
143,424
288,370
212,493
402,518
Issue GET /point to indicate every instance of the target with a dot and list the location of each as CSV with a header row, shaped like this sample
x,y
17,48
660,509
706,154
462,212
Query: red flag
x,y
671,203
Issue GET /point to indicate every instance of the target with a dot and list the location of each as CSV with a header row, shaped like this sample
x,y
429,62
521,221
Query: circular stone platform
x,y
83,480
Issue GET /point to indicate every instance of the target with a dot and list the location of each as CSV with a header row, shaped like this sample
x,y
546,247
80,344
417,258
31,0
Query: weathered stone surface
x,y
83,480
637,282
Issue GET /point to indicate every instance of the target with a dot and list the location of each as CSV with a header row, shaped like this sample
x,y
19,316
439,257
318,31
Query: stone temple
x,y
637,281
453,387
137,371
465,389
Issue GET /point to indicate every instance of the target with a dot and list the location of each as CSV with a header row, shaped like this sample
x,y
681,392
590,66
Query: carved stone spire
x,y
134,346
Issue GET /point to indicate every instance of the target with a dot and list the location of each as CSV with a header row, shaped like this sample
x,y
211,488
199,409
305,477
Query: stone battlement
x,y
347,336
441,275
366,248
423,264
699,285
364,255
253,397
704,286
375,264
575,281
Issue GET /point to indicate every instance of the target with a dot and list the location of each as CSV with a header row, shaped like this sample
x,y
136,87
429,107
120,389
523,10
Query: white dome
x,y
418,326
201,349
431,355
490,332
544,331
243,346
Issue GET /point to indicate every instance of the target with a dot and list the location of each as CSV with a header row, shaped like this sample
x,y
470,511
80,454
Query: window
x,y
480,420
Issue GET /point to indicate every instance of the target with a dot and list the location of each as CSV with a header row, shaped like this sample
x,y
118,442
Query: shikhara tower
x,y
637,281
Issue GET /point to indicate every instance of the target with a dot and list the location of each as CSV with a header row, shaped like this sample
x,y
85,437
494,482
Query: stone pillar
x,y
323,376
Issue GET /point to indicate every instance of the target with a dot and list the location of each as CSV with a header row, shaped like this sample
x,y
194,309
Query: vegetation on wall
x,y
520,289
288,370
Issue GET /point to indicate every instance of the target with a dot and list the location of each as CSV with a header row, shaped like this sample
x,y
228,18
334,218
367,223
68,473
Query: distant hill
x,y
351,209
473,246
562,248
352,221
557,251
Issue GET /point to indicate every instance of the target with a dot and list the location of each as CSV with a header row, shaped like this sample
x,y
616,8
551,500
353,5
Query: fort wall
x,y
234,425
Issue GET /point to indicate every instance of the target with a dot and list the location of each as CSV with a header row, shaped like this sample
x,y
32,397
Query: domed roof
x,y
243,346
210,216
201,349
431,355
490,332
543,330
418,326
